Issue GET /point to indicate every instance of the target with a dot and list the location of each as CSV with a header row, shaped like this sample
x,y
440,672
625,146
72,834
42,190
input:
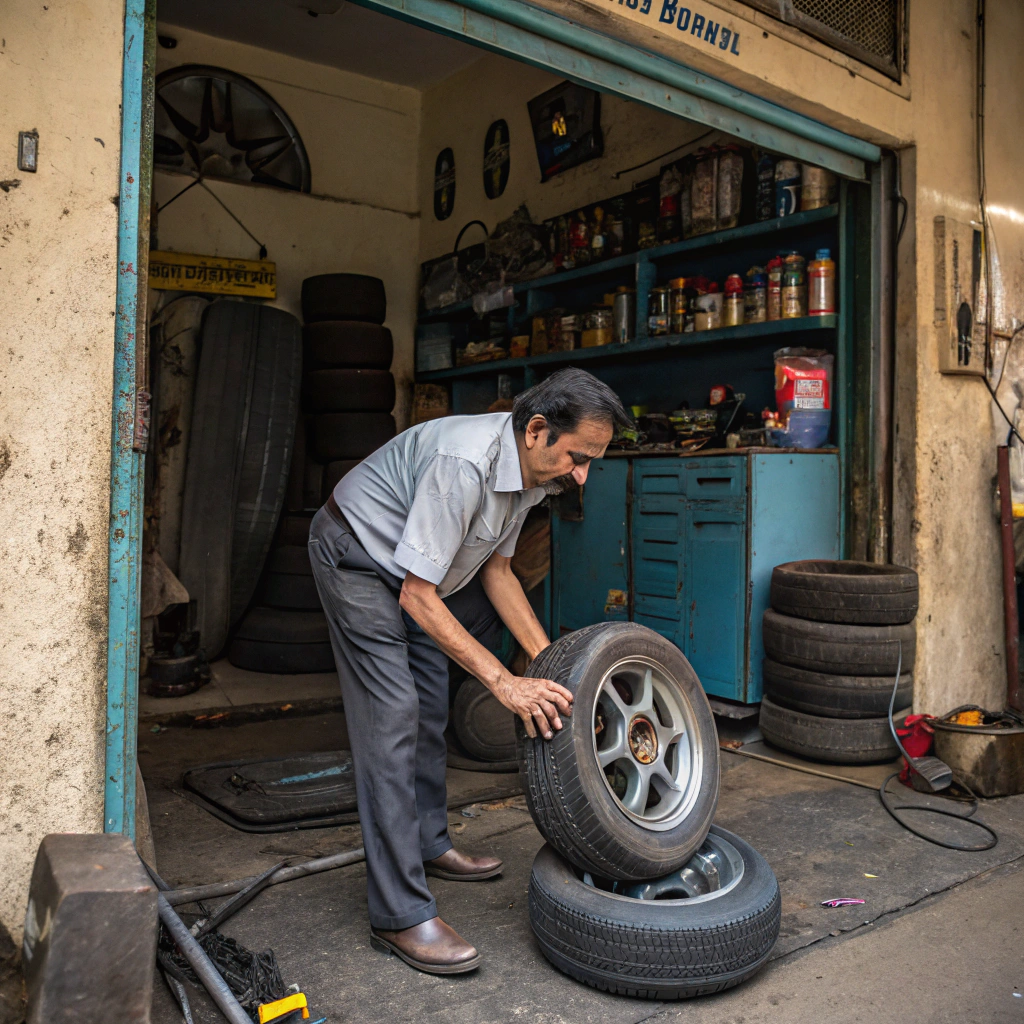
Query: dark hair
x,y
564,399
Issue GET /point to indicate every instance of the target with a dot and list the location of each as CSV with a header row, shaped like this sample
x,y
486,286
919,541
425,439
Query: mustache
x,y
559,485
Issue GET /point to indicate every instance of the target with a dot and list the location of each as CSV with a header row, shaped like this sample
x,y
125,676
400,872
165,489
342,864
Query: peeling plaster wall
x,y
60,73
362,137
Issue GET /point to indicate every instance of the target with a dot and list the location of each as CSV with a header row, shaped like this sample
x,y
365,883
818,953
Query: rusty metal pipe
x,y
176,897
1010,617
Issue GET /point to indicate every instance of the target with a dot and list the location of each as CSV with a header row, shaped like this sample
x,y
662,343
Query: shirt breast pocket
x,y
480,535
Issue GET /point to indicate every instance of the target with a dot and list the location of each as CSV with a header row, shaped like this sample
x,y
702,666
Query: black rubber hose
x,y
893,808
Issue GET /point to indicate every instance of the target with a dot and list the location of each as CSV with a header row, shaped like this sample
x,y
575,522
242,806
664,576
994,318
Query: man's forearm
x,y
431,614
505,592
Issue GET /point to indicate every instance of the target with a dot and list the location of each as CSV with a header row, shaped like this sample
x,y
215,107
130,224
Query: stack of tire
x,y
833,639
348,393
636,891
348,389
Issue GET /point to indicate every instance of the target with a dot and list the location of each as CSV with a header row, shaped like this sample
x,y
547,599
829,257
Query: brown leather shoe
x,y
461,867
432,946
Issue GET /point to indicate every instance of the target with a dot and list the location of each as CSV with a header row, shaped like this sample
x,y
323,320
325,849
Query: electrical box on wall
x,y
960,296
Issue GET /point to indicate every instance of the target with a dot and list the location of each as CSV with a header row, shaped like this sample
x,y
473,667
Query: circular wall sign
x,y
496,159
444,184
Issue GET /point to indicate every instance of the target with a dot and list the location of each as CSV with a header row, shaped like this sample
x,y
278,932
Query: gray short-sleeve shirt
x,y
440,499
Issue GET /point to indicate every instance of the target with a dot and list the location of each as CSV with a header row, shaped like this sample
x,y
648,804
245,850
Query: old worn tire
x,y
349,391
833,740
351,435
656,948
293,530
343,297
857,593
266,456
289,581
290,590
484,726
276,626
836,648
284,642
569,796
332,344
334,471
290,558
280,659
818,693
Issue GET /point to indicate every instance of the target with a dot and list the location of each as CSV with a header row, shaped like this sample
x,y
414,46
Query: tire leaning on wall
x,y
635,696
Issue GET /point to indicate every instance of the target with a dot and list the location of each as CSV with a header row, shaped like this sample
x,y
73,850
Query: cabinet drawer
x,y
711,479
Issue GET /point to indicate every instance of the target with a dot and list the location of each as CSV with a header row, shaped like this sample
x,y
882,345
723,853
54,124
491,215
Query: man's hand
x,y
536,701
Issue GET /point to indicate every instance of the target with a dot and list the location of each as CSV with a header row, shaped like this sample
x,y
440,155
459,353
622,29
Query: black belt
x,y
337,515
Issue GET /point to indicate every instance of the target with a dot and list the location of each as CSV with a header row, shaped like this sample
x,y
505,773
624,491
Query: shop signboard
x,y
216,275
698,23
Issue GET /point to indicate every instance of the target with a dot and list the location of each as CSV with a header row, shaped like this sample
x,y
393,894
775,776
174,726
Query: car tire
x,y
659,948
265,463
483,725
282,642
343,297
292,559
838,649
333,344
351,435
856,593
349,391
817,693
833,740
606,820
289,590
293,531
280,659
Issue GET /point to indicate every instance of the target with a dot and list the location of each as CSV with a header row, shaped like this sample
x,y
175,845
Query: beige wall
x,y
362,217
60,73
457,113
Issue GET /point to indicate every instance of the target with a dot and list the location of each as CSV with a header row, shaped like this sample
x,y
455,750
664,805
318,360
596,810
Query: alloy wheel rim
x,y
714,870
647,743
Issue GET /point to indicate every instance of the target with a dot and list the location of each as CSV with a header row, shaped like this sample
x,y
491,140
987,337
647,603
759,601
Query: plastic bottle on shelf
x,y
733,310
755,300
774,274
764,204
794,286
821,272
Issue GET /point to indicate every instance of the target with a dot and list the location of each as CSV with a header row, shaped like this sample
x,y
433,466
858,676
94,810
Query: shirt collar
x,y
508,474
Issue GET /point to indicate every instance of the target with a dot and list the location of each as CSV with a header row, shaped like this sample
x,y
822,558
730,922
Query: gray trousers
x,y
394,685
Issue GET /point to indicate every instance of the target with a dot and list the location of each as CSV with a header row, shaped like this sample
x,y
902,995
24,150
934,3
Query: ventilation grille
x,y
869,30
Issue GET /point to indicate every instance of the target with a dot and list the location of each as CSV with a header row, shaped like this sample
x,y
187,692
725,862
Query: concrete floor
x,y
230,687
939,938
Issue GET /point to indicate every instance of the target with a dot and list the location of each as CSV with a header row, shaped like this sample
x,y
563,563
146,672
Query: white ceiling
x,y
341,35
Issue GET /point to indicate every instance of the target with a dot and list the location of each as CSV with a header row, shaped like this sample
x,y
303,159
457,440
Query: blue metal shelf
x,y
702,243
650,346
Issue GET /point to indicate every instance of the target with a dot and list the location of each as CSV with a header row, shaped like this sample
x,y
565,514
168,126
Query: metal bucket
x,y
990,759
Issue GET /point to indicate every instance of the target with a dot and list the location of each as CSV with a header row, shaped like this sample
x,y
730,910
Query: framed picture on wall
x,y
566,124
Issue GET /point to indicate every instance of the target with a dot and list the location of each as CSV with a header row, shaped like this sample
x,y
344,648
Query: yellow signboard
x,y
188,272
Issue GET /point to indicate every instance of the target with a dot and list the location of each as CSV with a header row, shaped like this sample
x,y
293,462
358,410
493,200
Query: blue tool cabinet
x,y
692,542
